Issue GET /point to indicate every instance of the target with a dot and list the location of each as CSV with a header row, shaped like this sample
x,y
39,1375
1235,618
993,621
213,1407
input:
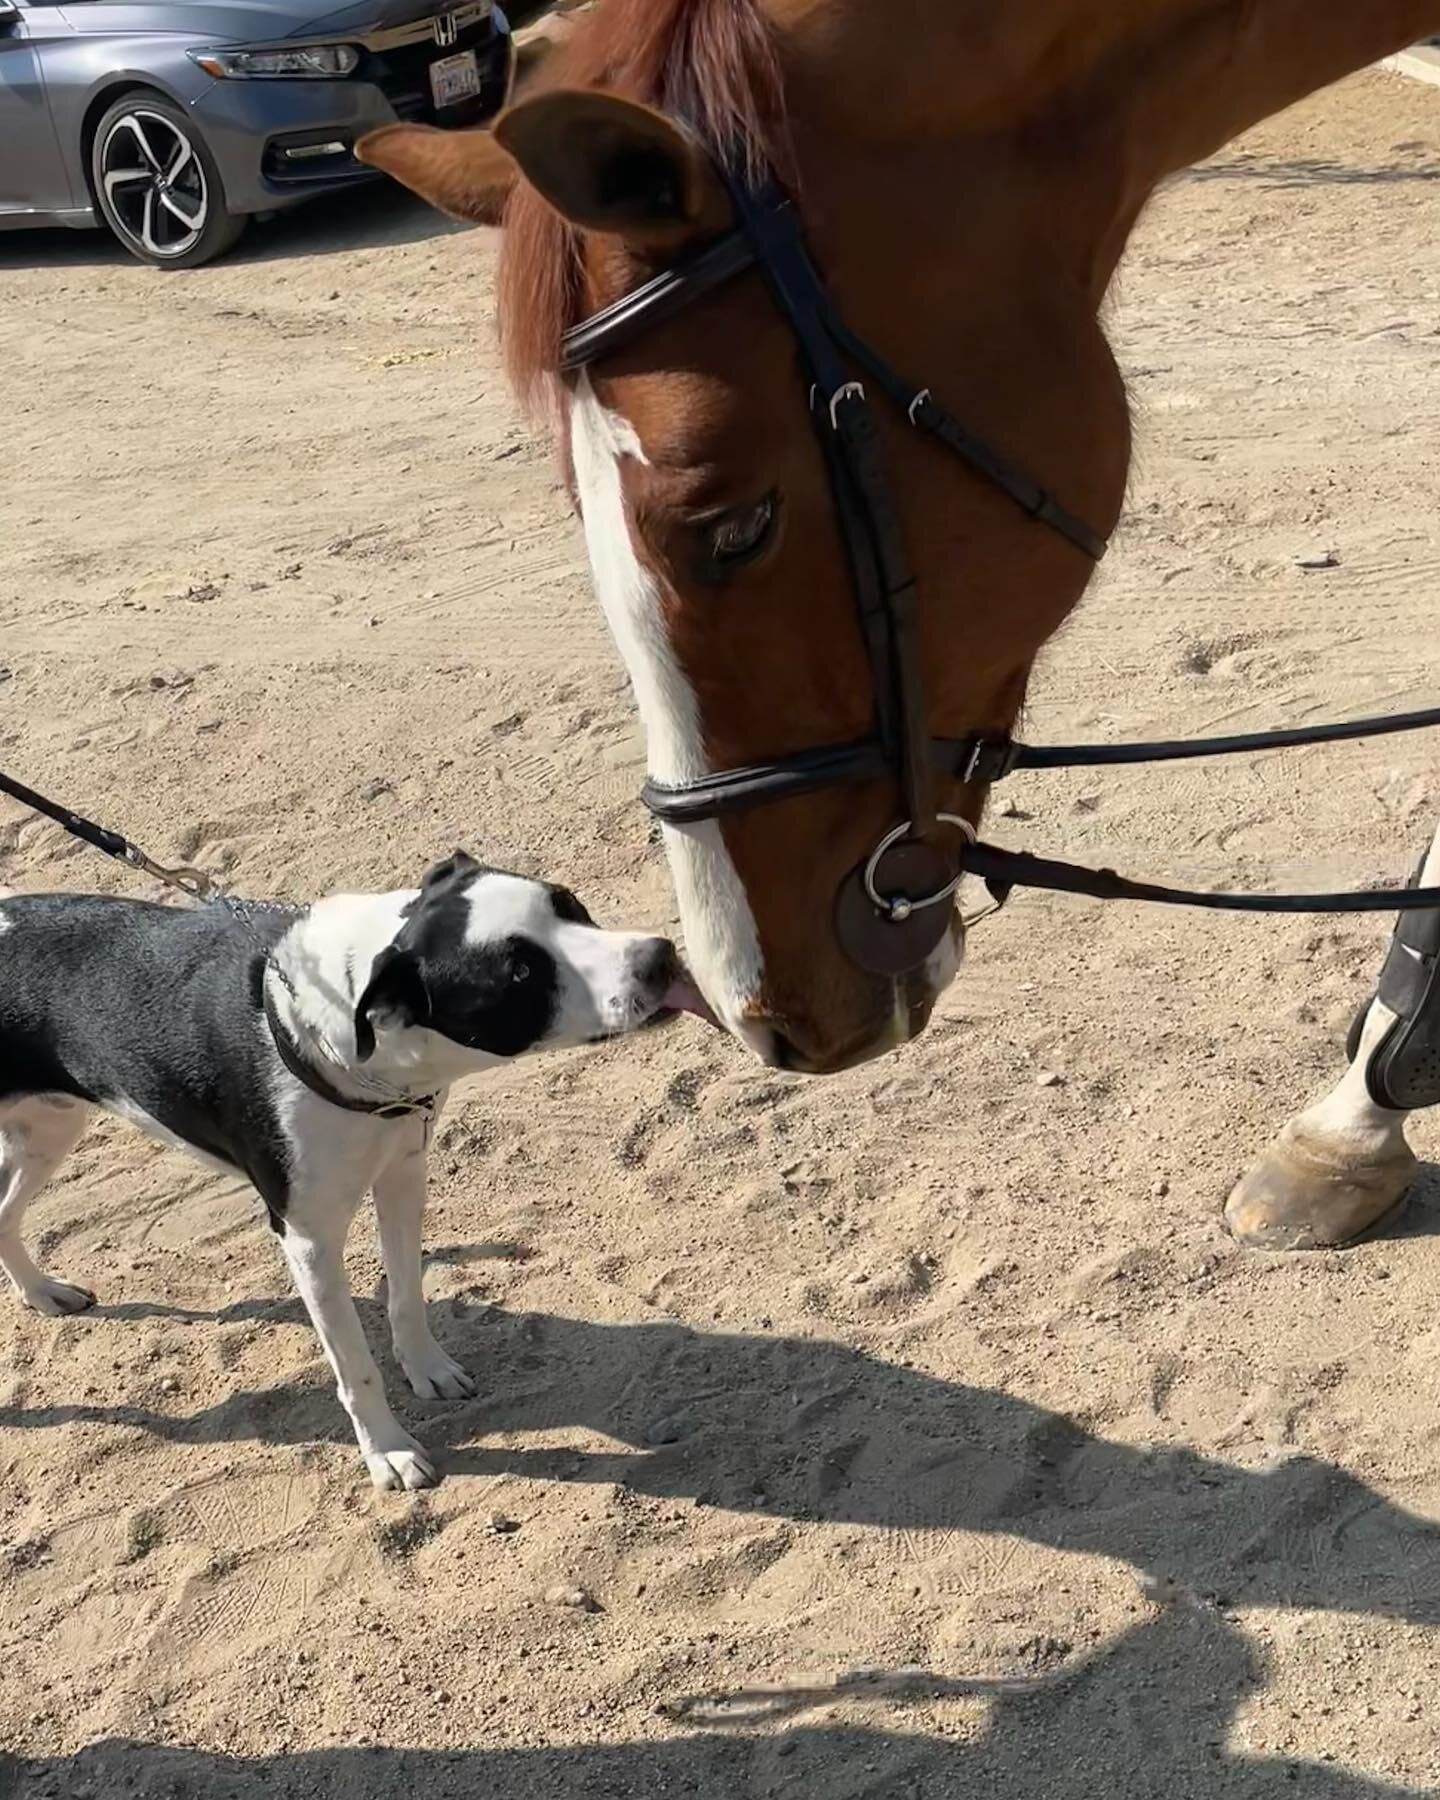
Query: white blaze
x,y
721,942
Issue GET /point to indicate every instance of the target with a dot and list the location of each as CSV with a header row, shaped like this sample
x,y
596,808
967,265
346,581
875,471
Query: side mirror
x,y
9,13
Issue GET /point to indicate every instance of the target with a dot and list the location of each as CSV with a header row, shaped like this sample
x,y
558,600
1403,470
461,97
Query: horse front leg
x,y
1339,1167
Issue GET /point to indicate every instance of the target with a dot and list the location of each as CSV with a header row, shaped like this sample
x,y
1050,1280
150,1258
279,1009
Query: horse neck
x,y
1219,69
1211,68
1121,94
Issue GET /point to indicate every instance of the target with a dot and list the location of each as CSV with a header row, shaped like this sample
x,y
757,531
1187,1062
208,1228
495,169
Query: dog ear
x,y
459,862
396,989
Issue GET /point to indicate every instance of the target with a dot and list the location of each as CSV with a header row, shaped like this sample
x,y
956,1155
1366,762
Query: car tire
x,y
157,186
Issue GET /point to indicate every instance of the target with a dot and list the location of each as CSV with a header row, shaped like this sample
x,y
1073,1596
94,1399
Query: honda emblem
x,y
446,27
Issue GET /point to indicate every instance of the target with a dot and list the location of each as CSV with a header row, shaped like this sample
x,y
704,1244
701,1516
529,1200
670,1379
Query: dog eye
x,y
739,537
520,972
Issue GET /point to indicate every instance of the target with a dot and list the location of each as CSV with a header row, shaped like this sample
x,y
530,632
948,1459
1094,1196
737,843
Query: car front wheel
x,y
158,186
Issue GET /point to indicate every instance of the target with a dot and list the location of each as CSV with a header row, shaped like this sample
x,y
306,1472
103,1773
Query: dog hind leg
x,y
36,1134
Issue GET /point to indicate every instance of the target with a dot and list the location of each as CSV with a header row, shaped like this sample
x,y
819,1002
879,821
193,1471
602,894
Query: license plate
x,y
455,78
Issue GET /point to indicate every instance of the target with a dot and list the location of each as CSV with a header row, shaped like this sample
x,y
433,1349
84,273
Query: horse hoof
x,y
1295,1198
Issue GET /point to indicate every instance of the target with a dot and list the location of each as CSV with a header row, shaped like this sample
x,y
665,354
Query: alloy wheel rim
x,y
155,188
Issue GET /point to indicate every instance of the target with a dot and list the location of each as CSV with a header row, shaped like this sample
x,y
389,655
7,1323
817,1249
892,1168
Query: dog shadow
x,y
814,1430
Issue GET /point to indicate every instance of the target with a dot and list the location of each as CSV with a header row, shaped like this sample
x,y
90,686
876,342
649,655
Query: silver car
x,y
175,121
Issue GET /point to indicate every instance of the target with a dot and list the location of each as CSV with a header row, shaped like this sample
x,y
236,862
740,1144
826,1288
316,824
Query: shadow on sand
x,y
811,1430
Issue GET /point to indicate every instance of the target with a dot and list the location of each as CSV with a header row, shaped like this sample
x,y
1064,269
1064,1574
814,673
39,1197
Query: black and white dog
x,y
311,1051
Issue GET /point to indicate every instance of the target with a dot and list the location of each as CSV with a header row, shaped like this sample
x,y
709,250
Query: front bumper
x,y
279,142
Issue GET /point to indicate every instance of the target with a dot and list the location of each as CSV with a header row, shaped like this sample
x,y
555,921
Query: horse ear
x,y
463,173
609,164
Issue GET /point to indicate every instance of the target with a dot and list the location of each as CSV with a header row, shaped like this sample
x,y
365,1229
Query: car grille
x,y
402,73
397,62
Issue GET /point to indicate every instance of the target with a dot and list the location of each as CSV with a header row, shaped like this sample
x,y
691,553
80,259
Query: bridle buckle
x,y
852,390
990,760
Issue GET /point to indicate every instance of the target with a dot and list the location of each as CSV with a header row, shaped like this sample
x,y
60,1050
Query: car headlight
x,y
313,60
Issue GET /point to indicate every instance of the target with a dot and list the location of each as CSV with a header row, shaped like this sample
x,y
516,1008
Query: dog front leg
x,y
316,1223
399,1213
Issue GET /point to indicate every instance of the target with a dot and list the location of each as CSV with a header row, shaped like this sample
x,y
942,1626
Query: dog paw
x,y
56,1298
434,1375
406,1467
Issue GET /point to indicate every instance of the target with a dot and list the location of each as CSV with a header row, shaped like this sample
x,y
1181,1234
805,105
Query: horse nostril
x,y
653,963
783,1054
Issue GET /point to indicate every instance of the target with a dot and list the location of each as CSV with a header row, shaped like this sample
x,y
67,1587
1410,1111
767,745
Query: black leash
x,y
194,882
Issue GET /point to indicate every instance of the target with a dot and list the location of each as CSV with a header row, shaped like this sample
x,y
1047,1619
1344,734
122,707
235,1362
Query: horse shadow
x,y
807,1429
1148,1717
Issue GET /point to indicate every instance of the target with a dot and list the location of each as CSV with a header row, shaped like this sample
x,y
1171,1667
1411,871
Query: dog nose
x,y
653,963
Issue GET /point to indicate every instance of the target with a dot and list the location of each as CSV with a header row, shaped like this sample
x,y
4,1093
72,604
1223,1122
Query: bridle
x,y
893,911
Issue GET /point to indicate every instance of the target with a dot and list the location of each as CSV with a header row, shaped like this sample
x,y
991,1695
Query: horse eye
x,y
739,537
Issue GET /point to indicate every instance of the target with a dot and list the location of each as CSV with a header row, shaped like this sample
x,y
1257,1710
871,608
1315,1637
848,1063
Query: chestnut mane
x,y
712,63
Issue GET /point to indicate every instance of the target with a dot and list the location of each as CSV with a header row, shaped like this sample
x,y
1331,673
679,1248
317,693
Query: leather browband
x,y
670,292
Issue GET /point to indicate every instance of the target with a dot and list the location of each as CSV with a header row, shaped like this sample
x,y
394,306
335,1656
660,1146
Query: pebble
x,y
670,1430
1050,1079
1160,1189
169,1385
499,1523
566,1594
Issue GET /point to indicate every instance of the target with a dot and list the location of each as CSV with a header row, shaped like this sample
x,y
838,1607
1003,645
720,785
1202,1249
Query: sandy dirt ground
x,y
944,1366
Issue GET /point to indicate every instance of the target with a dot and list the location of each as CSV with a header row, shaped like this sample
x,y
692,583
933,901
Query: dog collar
x,y
289,1052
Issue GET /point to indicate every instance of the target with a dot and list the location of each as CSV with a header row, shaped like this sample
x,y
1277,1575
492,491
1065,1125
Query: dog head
x,y
498,966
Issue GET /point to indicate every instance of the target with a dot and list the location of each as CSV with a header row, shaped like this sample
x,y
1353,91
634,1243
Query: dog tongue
x,y
685,997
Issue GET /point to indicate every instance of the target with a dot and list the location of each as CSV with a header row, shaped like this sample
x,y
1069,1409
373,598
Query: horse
x,y
966,173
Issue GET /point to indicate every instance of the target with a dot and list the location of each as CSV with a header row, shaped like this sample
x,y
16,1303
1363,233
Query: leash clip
x,y
184,880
